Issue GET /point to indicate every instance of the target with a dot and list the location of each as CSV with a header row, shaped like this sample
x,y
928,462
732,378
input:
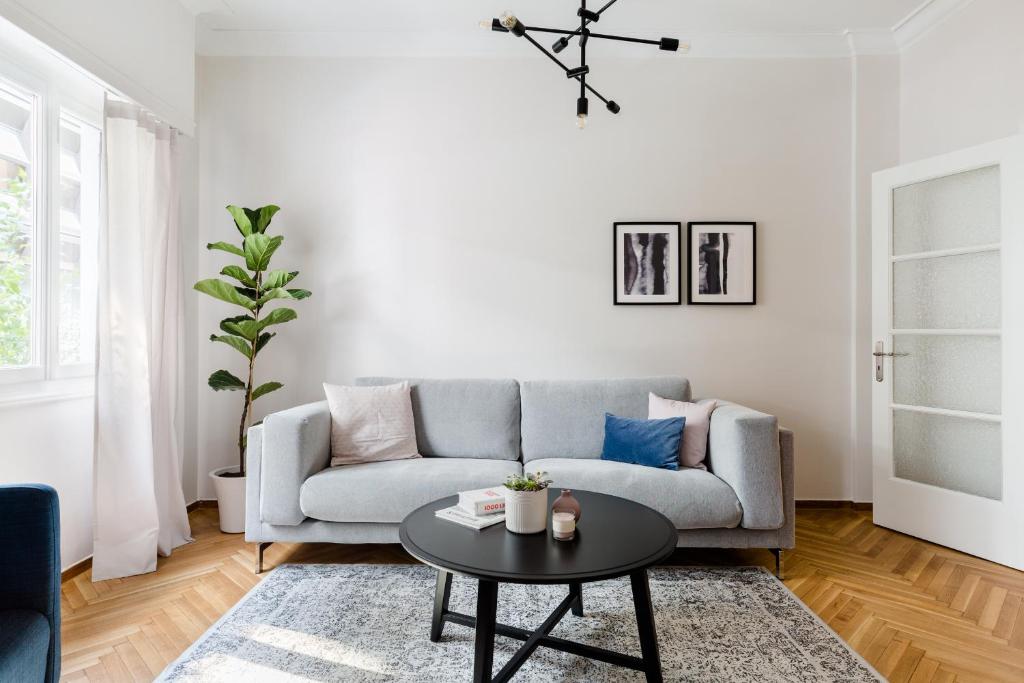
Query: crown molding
x,y
881,42
927,16
472,42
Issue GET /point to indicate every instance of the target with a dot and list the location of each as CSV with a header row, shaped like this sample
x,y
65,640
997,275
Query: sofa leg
x,y
260,547
777,552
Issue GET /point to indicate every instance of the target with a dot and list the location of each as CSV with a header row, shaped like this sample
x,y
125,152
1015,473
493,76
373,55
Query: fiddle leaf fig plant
x,y
252,287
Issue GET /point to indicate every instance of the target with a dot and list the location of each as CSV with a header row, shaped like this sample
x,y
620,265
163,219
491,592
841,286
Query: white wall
x,y
876,102
451,221
963,82
51,443
144,49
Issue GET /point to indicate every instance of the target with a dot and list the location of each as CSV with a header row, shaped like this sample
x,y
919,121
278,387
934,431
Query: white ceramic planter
x,y
526,512
230,500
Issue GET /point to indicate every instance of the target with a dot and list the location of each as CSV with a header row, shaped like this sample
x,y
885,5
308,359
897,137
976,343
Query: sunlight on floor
x,y
311,645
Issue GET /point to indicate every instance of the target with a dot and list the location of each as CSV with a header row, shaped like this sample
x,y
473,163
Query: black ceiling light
x,y
508,23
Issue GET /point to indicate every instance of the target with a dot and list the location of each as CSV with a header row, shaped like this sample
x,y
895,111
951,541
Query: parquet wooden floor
x,y
916,611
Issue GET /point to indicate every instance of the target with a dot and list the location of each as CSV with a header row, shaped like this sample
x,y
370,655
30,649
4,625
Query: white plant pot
x,y
526,512
230,500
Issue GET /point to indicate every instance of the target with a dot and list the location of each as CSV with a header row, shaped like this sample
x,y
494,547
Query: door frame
x,y
979,526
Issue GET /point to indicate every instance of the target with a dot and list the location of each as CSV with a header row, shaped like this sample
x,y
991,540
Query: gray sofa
x,y
474,433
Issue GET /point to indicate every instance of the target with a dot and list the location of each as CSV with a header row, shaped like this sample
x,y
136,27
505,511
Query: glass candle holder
x,y
563,526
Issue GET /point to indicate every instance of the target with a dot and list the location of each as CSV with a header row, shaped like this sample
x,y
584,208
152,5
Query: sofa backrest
x,y
565,418
463,418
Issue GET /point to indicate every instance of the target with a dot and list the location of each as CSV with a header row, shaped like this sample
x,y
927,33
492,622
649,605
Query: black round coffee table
x,y
615,537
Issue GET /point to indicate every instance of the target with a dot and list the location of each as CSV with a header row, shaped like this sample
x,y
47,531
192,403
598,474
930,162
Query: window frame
x,y
45,374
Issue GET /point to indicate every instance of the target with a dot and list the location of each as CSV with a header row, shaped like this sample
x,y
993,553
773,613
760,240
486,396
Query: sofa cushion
x,y
565,418
463,418
649,443
24,645
691,499
371,424
388,491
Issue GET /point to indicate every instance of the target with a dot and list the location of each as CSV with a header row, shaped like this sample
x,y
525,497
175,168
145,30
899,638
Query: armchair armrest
x,y
30,570
743,450
290,446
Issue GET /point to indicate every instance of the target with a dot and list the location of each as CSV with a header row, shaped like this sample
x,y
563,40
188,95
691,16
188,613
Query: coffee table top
x,y
614,537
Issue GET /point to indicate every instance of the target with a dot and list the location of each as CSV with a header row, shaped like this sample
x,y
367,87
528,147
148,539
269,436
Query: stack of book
x,y
477,509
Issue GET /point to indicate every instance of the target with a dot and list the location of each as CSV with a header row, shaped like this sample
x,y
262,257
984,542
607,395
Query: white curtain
x,y
139,505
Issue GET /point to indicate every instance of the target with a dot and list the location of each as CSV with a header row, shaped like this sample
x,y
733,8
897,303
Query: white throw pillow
x,y
371,424
694,445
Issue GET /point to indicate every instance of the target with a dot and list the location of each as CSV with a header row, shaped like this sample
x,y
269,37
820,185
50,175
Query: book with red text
x,y
460,516
483,501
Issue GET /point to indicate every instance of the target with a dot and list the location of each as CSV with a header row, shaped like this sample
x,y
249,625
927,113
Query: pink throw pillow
x,y
693,447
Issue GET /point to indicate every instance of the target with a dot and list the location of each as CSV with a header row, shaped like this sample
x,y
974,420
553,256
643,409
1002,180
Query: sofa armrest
x,y
743,450
296,444
30,570
787,534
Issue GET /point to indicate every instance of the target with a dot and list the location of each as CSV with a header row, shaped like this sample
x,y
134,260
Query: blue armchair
x,y
29,584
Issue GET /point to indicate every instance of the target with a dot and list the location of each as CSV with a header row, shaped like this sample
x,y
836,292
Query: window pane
x,y
79,218
17,115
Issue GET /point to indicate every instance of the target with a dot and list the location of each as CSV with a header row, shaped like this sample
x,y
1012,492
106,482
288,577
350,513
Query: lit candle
x,y
563,526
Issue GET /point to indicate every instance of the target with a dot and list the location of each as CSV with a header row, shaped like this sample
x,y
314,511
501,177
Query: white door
x,y
948,339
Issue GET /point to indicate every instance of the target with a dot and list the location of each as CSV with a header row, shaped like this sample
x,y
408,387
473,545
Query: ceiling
x,y
415,27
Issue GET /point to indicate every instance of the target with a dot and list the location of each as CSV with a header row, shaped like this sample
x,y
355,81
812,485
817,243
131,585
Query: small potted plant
x,y
526,503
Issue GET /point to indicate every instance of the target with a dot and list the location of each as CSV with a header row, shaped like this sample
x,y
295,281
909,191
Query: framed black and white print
x,y
722,263
648,263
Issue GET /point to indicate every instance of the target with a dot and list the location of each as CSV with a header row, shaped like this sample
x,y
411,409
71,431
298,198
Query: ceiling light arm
x,y
670,44
566,69
586,18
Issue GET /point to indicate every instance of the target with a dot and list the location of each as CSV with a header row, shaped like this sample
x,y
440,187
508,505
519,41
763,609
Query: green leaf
x,y
224,291
300,293
258,250
279,293
278,316
222,380
242,221
225,246
239,274
278,278
266,214
237,343
263,339
241,326
265,389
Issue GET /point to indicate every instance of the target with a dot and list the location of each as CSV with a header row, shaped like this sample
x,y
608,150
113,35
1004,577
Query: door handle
x,y
879,354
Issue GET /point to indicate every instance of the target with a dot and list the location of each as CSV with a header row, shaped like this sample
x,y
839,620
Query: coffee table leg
x,y
577,590
442,591
645,625
486,618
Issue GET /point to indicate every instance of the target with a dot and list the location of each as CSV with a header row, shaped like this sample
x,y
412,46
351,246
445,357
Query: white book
x,y
482,501
459,516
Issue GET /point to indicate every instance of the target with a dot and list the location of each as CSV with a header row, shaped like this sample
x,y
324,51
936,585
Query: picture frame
x,y
721,264
647,263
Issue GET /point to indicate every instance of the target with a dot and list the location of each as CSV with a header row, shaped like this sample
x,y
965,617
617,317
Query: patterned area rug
x,y
371,623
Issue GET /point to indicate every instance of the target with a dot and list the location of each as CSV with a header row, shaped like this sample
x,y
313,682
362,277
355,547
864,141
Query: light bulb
x,y
581,121
486,23
508,20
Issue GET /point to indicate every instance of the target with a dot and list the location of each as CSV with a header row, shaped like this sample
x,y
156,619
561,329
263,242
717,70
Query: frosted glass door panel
x,y
961,210
952,372
951,292
953,453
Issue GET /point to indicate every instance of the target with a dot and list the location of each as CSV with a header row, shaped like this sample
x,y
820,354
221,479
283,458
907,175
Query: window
x,y
18,114
49,221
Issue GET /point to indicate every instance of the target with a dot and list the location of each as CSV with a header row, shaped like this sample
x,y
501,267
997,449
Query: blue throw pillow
x,y
652,443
